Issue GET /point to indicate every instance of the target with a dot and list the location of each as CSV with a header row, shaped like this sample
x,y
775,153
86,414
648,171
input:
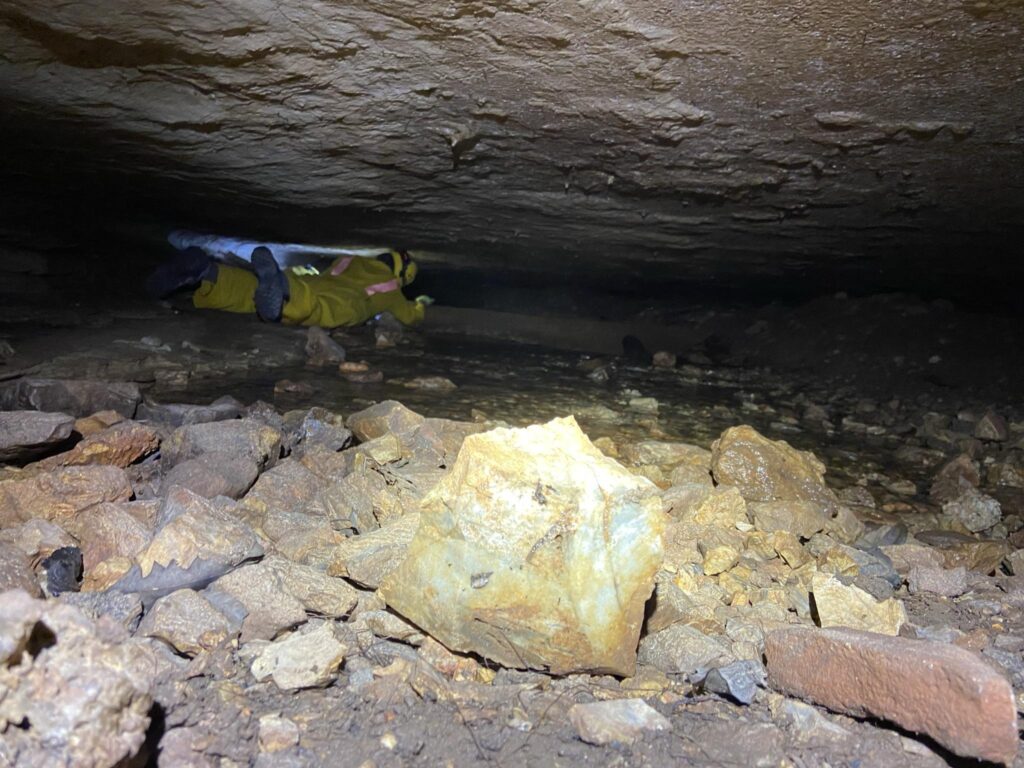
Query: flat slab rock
x,y
936,689
26,434
621,720
77,397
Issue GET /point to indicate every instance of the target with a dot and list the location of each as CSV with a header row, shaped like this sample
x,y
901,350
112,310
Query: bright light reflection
x,y
286,254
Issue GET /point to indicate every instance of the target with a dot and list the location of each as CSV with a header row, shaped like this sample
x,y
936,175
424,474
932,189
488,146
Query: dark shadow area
x,y
100,202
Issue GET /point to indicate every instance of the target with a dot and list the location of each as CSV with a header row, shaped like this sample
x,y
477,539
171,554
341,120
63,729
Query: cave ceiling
x,y
748,134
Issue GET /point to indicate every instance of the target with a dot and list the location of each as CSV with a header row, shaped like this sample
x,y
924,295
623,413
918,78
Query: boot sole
x,y
269,296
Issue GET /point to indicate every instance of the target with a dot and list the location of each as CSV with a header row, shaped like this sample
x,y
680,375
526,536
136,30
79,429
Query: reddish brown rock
x,y
118,446
59,494
954,478
940,690
97,422
105,531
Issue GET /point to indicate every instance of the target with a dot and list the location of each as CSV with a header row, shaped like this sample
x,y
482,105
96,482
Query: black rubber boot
x,y
273,286
183,270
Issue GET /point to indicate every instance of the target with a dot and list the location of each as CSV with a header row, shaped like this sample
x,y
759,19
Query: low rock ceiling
x,y
745,134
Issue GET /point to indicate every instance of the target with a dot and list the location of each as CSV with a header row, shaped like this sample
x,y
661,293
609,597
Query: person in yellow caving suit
x,y
350,292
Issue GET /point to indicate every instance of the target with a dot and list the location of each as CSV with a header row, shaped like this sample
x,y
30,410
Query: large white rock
x,y
534,551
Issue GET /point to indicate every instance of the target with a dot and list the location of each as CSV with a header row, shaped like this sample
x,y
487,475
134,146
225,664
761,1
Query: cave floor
x,y
869,443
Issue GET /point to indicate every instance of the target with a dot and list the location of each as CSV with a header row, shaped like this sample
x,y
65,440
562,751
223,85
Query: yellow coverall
x,y
326,299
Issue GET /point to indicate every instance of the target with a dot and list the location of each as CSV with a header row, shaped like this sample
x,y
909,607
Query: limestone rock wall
x,y
692,135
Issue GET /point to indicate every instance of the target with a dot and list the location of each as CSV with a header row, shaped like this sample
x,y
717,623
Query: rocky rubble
x,y
392,558
72,692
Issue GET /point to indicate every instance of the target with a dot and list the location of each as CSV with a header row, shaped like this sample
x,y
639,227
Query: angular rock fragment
x,y
667,455
181,414
808,724
739,680
719,559
769,470
77,397
937,581
365,500
682,649
277,595
277,733
316,430
216,473
243,437
118,446
36,538
723,507
437,442
319,593
194,543
304,659
105,531
60,493
122,610
619,721
904,557
841,606
69,697
369,558
954,478
289,486
535,551
15,572
390,627
321,349
975,510
382,418
931,688
957,549
801,518
89,425
992,427
187,621
27,434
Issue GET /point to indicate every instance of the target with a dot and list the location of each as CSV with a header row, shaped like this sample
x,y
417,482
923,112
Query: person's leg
x,y
272,286
183,270
321,300
231,290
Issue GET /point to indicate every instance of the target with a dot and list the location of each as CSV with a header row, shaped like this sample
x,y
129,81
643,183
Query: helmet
x,y
403,266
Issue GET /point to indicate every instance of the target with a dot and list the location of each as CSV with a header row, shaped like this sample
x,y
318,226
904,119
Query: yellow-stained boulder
x,y
535,551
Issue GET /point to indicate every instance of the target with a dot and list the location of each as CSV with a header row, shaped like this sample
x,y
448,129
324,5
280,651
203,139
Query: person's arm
x,y
407,312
